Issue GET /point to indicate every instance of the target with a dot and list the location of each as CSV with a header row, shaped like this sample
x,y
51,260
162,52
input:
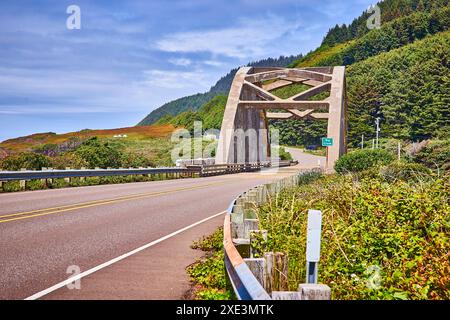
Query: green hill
x,y
391,35
210,114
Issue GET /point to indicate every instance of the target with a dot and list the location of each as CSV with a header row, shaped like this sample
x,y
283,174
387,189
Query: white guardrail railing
x,y
260,276
25,175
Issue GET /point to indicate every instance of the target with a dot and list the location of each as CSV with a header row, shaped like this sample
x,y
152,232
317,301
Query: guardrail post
x,y
310,291
237,222
250,224
82,179
44,181
258,267
67,179
50,180
277,271
23,183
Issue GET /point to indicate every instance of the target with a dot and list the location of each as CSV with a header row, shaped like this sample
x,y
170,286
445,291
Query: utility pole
x,y
377,122
362,141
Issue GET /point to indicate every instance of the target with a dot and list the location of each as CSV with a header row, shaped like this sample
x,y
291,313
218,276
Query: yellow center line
x,y
87,202
99,203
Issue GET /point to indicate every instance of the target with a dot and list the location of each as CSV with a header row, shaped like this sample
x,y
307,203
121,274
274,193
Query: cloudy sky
x,y
129,57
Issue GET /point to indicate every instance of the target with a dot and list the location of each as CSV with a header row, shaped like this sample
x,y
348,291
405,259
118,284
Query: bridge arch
x,y
251,104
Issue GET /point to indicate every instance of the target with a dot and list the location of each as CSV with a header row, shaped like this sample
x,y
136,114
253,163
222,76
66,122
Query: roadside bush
x,y
405,171
361,160
283,154
27,160
436,155
72,160
379,240
99,154
208,274
135,160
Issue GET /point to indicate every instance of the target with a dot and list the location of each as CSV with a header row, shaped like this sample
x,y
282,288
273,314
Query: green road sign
x,y
327,142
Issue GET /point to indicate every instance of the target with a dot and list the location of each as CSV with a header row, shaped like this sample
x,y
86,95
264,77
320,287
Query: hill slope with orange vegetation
x,y
28,143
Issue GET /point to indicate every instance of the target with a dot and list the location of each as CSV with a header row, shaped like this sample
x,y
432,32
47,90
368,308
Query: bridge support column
x,y
337,122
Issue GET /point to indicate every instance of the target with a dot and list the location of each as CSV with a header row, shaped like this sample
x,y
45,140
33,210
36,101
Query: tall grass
x,y
380,239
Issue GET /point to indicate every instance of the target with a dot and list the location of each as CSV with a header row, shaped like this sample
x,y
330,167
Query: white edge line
x,y
110,262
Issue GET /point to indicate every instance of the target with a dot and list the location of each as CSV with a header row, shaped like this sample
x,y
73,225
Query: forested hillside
x,y
210,114
399,73
222,87
407,87
390,10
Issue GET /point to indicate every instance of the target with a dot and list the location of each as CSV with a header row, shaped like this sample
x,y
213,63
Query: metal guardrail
x,y
217,169
245,284
56,174
189,171
238,228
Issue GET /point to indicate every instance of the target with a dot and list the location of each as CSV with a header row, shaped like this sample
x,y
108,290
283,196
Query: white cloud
x,y
178,80
213,63
181,62
248,39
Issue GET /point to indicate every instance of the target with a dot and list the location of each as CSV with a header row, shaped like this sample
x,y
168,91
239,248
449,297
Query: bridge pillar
x,y
244,132
337,122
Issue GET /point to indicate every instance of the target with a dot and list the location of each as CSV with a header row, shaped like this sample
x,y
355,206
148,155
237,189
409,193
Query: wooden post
x,y
277,271
82,178
257,267
50,180
44,181
250,224
309,291
237,222
23,183
67,179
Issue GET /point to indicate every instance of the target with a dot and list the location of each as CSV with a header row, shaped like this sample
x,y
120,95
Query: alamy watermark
x,y
73,22
240,146
74,271
374,21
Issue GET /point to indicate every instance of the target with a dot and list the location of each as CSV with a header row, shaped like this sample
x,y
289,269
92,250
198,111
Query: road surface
x,y
46,234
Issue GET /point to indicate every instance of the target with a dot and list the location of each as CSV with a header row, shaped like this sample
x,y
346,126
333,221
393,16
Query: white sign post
x,y
313,245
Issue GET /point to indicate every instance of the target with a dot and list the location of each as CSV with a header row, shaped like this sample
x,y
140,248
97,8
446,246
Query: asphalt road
x,y
42,233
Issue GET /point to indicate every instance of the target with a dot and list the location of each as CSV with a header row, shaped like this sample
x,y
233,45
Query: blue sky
x,y
129,57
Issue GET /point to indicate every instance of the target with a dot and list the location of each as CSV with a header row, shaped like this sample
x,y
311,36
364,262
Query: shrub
x,y
282,153
435,155
405,171
208,274
135,160
71,160
99,154
361,160
400,229
27,160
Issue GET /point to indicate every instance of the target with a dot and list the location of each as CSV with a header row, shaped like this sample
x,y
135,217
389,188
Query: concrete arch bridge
x,y
244,136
